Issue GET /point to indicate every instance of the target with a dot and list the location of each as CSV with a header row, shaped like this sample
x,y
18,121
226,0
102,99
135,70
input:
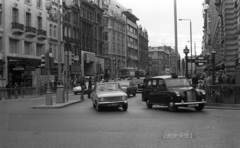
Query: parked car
x,y
109,94
173,92
139,83
77,89
128,87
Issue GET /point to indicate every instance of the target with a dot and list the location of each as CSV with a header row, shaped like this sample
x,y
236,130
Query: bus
x,y
127,72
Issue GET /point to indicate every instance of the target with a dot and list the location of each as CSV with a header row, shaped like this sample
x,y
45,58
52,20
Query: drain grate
x,y
176,135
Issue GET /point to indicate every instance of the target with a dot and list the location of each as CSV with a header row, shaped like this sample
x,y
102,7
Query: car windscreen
x,y
108,87
177,82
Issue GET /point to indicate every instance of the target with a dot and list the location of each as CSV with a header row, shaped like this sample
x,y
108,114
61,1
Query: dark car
x,y
128,87
173,92
139,83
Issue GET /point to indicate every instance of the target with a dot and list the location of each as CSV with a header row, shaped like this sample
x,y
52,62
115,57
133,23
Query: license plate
x,y
113,105
193,105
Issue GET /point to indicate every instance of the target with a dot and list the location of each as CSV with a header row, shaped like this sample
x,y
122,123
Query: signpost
x,y
200,61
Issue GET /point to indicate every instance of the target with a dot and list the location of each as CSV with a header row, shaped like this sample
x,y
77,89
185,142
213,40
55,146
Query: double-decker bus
x,y
127,72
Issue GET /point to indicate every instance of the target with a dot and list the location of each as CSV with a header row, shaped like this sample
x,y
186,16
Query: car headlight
x,y
100,99
203,92
177,93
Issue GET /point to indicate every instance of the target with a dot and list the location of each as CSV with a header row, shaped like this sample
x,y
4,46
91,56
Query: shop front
x,y
22,71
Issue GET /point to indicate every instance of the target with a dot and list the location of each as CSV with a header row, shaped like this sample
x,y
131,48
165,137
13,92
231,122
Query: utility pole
x,y
176,37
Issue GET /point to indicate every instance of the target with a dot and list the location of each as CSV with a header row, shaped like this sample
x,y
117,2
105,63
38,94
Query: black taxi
x,y
172,91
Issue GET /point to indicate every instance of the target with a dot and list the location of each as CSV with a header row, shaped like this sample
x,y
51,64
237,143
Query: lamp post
x,y
213,52
186,51
195,53
48,4
190,39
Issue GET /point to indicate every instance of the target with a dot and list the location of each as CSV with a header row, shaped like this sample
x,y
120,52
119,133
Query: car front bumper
x,y
115,103
189,103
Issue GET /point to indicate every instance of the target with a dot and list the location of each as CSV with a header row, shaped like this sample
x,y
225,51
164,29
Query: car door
x,y
161,93
146,91
154,91
94,94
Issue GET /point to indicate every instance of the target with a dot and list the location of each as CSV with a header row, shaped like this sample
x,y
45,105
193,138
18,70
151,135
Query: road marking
x,y
177,135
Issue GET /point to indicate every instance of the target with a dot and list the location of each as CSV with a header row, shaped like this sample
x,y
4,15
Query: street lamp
x,y
213,52
48,4
195,53
186,51
190,39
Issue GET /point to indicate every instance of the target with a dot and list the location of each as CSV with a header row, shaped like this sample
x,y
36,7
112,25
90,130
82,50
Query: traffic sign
x,y
200,61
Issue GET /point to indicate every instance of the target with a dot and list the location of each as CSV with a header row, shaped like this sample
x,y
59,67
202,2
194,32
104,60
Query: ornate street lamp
x,y
213,52
186,51
58,15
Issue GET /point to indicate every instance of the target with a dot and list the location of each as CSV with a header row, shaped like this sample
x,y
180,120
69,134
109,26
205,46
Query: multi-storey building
x,y
98,39
143,49
114,38
72,39
23,34
160,60
220,23
132,39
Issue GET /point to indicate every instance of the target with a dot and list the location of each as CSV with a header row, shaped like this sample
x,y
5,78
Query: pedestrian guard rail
x,y
226,93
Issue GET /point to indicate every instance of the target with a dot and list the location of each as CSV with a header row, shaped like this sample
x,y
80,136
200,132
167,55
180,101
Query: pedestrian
x,y
195,80
89,87
15,87
9,90
83,87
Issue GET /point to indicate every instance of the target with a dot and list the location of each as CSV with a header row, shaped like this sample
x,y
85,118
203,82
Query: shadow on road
x,y
180,110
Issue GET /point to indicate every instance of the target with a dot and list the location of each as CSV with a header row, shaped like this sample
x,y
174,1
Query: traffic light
x,y
71,58
49,61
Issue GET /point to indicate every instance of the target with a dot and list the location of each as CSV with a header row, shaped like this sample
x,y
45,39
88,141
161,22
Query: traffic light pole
x,y
48,100
67,68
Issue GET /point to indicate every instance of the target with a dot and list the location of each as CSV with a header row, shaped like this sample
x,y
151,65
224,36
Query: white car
x,y
109,94
77,89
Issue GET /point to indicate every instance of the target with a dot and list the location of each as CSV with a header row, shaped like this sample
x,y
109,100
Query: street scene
x,y
119,74
80,125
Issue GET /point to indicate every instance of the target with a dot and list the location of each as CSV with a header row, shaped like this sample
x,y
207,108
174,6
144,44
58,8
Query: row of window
x,y
131,29
29,49
15,18
39,2
132,41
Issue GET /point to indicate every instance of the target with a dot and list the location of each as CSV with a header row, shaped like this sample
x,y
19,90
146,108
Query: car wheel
x,y
125,106
148,104
200,107
98,107
171,106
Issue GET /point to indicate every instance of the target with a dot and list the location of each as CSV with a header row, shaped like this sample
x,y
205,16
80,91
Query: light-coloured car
x,y
109,94
128,87
77,89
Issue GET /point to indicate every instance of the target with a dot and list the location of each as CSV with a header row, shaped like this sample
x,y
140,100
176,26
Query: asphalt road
x,y
81,126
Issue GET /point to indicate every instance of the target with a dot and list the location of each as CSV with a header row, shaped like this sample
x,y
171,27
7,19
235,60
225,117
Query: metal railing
x,y
18,26
30,29
226,94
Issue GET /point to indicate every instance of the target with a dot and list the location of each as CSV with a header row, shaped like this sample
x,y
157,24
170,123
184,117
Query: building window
x,y
28,48
28,19
39,22
14,46
15,15
50,30
0,14
39,3
54,32
40,49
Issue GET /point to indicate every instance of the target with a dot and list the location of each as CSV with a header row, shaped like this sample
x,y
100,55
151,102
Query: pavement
x,y
222,106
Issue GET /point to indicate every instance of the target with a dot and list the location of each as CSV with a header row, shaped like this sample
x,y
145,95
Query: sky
x,y
157,16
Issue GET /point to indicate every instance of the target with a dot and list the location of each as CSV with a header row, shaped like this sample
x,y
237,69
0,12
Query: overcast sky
x,y
157,16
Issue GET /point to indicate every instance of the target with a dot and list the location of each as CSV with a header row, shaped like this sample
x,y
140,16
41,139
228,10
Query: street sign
x,y
200,61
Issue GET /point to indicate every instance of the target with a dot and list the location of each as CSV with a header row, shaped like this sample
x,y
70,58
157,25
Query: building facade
x,y
114,38
160,60
220,27
143,49
24,39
